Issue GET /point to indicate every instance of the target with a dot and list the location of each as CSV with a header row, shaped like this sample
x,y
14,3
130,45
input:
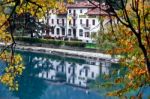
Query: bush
x,y
54,42
75,43
28,40
51,41
37,40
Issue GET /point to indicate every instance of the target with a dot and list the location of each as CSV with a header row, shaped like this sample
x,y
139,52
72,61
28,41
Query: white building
x,y
79,22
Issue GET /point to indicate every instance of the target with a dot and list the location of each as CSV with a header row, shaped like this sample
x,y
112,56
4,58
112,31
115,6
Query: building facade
x,y
81,21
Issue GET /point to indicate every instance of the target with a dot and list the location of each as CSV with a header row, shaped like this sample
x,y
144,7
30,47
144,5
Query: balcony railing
x,y
74,26
73,15
62,24
52,25
88,27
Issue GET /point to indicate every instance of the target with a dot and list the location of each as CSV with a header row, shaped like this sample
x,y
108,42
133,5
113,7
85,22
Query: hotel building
x,y
81,21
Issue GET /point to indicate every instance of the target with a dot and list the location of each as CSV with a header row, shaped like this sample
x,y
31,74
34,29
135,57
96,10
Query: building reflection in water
x,y
72,73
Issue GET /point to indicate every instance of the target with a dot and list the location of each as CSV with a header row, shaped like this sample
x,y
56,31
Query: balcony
x,y
86,27
61,15
62,25
74,26
74,15
52,25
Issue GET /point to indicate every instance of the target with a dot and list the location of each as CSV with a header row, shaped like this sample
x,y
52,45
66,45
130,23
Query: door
x,y
74,33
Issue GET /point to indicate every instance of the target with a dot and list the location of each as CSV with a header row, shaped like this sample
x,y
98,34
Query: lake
x,y
58,77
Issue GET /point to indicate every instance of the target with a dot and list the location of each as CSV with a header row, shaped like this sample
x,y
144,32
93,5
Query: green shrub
x,y
37,40
51,41
55,42
75,44
28,40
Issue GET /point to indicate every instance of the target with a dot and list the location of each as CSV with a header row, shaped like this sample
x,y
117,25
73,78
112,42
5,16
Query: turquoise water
x,y
57,77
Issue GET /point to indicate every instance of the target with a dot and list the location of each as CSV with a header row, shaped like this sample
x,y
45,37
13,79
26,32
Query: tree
x,y
25,24
8,8
129,30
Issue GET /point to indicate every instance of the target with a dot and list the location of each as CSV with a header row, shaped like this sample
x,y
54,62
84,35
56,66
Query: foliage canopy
x,y
128,36
8,10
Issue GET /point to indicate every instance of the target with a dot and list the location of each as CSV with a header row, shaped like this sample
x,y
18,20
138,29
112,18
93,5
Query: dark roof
x,y
82,4
93,9
98,11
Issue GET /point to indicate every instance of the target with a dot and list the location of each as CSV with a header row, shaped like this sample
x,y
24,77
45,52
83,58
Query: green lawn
x,y
91,46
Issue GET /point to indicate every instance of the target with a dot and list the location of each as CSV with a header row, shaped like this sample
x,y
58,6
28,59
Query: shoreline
x,y
67,53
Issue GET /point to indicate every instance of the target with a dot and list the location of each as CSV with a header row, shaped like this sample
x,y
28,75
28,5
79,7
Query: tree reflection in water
x,y
30,86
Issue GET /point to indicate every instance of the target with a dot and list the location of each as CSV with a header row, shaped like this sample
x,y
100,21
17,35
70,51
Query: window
x,y
52,21
70,22
92,63
80,11
74,33
74,22
69,32
87,23
69,69
57,21
92,74
47,75
52,30
86,72
58,31
93,22
63,22
74,11
80,21
57,68
80,32
87,34
80,83
80,72
63,31
69,11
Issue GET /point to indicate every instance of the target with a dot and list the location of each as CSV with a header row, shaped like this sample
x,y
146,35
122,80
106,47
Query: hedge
x,y
75,44
51,41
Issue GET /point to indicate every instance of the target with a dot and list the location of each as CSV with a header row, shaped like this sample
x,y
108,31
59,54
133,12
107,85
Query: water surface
x,y
57,77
